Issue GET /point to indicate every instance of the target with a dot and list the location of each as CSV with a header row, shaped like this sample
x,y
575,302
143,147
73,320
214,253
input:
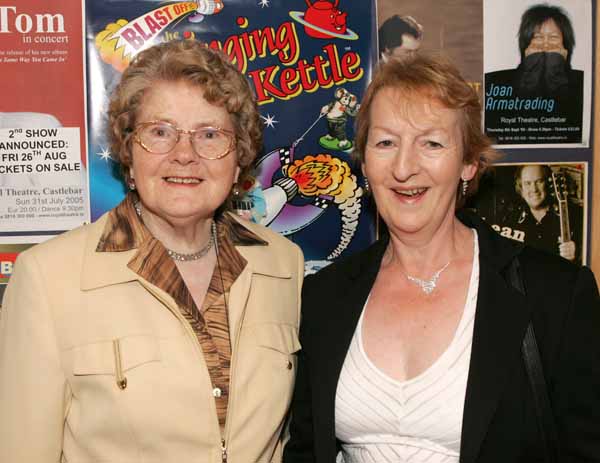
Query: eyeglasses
x,y
159,137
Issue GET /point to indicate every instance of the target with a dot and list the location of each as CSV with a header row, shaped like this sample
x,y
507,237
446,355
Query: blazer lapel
x,y
101,269
352,288
501,318
360,278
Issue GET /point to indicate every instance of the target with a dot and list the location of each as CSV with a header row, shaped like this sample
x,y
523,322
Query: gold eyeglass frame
x,y
230,134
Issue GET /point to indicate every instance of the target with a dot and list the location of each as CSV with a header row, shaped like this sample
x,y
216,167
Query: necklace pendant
x,y
427,286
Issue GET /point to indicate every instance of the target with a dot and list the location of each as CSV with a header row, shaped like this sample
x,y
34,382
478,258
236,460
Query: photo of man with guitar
x,y
538,204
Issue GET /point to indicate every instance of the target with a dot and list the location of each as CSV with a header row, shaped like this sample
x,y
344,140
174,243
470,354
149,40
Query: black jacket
x,y
499,421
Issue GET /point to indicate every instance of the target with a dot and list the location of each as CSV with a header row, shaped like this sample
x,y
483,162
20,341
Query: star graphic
x,y
269,120
104,154
263,3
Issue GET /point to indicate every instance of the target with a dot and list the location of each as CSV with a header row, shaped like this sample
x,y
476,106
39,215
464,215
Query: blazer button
x,y
289,365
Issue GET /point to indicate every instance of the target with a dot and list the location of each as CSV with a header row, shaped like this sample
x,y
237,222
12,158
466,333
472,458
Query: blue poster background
x,y
301,65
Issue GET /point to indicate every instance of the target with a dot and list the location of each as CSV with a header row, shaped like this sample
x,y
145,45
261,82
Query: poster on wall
x,y
538,72
454,29
308,71
8,256
42,121
540,204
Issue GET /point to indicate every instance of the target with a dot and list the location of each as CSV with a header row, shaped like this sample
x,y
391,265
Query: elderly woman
x,y
412,349
166,330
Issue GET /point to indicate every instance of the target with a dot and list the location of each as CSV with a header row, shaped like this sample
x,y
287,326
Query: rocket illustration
x,y
205,8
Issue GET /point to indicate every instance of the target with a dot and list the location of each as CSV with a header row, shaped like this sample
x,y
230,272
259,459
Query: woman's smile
x,y
183,181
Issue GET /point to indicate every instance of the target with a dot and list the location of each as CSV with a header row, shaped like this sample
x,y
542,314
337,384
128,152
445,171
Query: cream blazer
x,y
74,321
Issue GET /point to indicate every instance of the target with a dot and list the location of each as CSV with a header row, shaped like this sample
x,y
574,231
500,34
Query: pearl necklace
x,y
427,286
182,257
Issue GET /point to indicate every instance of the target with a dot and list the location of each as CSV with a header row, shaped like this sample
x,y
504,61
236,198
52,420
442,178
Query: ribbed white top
x,y
379,419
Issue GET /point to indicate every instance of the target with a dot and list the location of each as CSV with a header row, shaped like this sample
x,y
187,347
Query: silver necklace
x,y
427,286
182,257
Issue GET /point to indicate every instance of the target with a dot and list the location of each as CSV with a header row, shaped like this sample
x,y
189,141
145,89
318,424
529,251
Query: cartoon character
x,y
337,112
323,20
324,15
205,8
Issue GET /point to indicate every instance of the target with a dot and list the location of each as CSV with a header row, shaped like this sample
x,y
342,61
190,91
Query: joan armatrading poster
x,y
538,72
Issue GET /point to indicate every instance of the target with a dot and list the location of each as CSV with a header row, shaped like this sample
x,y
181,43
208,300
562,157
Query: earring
x,y
465,187
367,185
131,185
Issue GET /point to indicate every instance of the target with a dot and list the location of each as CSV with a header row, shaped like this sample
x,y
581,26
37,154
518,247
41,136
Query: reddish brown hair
x,y
431,77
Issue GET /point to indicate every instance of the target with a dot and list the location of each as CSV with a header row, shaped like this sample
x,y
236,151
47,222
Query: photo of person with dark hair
x,y
546,42
541,101
399,36
454,29
537,204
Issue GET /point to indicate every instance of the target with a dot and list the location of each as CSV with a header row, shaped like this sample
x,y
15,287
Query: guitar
x,y
559,183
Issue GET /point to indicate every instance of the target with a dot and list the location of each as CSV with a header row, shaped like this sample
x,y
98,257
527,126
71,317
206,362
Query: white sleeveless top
x,y
379,419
